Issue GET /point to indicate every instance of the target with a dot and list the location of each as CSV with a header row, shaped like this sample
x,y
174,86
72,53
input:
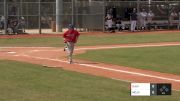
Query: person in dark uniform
x,y
133,20
119,23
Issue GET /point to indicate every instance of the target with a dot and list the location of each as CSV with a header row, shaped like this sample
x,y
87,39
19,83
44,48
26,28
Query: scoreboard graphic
x,y
150,89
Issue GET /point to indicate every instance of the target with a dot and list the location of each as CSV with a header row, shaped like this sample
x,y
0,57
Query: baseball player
x,y
22,23
70,38
109,21
172,17
133,20
179,21
150,16
142,19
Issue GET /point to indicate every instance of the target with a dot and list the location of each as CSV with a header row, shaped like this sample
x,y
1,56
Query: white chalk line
x,y
11,52
122,71
67,62
105,68
128,72
133,73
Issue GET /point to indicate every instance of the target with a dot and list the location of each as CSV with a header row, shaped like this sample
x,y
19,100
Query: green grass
x,y
28,82
128,38
161,59
39,42
87,40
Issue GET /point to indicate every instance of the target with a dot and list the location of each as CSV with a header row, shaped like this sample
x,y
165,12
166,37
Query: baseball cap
x,y
71,26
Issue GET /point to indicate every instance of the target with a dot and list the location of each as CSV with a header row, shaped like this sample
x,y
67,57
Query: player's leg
x,y
144,25
131,26
70,48
65,47
71,52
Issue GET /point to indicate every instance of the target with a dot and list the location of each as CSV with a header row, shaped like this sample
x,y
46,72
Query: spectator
x,y
179,21
172,17
12,23
22,23
109,22
150,16
119,24
142,19
133,20
2,21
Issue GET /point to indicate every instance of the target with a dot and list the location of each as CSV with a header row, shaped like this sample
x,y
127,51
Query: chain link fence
x,y
40,16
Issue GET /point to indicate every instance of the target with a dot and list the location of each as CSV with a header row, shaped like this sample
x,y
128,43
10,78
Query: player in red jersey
x,y
70,38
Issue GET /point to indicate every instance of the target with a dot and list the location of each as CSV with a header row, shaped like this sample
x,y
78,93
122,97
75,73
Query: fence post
x,y
179,21
59,13
5,17
104,14
40,32
72,12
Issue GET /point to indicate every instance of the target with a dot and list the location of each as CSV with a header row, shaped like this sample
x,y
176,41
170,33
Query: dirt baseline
x,y
55,57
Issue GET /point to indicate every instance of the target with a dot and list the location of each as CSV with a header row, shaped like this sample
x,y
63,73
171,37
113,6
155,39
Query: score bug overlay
x,y
150,89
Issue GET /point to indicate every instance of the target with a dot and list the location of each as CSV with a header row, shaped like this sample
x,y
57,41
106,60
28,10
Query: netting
x,y
86,15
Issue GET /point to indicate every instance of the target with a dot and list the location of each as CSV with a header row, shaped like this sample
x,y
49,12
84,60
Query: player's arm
x,y
77,36
65,35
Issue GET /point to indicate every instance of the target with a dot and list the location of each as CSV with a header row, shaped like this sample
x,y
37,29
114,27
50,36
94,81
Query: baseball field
x,y
35,68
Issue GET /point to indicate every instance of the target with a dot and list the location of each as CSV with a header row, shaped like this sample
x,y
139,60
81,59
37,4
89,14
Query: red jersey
x,y
71,36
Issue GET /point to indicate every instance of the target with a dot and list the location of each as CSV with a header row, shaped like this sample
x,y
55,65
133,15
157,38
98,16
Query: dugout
x,y
41,16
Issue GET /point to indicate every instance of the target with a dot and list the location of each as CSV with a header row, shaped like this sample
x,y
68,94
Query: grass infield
x,y
161,59
91,40
28,82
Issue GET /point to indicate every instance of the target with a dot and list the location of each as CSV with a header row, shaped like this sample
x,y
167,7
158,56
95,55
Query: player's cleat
x,y
70,61
65,48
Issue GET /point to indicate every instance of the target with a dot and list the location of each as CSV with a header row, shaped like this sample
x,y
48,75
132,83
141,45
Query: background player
x,y
150,16
133,20
142,19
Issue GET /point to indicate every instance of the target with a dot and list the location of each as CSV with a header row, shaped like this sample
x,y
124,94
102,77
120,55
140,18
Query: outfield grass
x,y
161,59
87,40
28,82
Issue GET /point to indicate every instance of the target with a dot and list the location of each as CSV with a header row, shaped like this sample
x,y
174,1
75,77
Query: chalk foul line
x,y
106,68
